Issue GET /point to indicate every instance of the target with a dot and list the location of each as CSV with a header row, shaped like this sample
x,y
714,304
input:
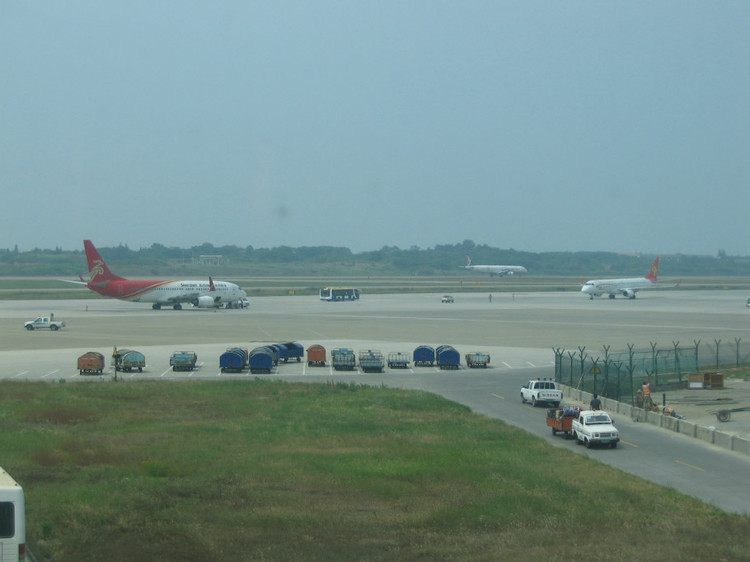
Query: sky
x,y
532,125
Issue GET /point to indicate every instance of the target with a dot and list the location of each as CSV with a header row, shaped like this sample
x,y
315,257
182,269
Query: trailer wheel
x,y
554,431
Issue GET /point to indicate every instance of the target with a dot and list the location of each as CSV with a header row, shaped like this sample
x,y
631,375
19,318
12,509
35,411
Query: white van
x,y
12,520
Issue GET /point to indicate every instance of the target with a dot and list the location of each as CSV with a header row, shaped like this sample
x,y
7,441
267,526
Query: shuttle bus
x,y
12,520
339,294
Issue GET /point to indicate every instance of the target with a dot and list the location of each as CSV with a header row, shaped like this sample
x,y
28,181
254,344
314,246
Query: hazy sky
x,y
538,126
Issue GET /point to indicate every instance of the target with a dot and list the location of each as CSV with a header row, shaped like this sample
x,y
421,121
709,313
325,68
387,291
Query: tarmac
x,y
518,330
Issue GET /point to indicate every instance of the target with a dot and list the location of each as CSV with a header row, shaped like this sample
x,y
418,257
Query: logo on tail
x,y
653,271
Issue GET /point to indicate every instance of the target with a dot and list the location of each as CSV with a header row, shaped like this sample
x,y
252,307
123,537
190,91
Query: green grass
x,y
263,470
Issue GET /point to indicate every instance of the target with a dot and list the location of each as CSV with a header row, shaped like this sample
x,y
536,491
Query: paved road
x,y
519,331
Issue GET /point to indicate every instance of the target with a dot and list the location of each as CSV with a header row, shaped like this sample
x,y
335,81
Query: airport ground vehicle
x,y
261,359
342,359
477,360
541,391
44,322
233,359
398,360
447,298
594,427
447,357
339,294
128,359
316,356
424,356
371,361
12,519
561,420
290,350
183,360
91,363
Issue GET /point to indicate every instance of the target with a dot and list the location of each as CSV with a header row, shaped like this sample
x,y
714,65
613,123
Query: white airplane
x,y
201,294
495,269
625,287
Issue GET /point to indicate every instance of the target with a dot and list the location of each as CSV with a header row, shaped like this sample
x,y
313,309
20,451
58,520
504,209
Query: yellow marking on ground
x,y
497,396
691,466
628,443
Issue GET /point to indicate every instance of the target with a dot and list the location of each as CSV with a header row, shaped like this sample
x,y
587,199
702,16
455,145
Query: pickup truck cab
x,y
594,427
44,322
447,298
538,392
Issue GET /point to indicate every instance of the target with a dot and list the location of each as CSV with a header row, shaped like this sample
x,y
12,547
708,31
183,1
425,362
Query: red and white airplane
x,y
625,287
201,294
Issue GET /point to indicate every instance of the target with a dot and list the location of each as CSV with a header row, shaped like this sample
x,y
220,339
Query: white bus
x,y
339,294
12,520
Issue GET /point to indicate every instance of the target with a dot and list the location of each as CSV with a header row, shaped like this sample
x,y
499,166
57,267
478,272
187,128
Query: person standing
x,y
595,403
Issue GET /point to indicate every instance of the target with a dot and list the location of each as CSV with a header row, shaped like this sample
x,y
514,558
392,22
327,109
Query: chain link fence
x,y
619,375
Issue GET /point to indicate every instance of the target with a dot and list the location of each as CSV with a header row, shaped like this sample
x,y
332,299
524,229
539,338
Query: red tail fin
x,y
98,270
653,271
211,286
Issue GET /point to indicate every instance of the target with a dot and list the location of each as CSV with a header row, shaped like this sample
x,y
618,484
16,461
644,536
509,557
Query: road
x,y
518,330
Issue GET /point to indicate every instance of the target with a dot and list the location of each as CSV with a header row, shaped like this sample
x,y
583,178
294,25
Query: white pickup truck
x,y
44,322
594,427
541,392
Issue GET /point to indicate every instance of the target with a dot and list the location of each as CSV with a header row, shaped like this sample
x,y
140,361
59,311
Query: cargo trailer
x,y
398,360
447,357
91,363
371,361
183,360
424,356
316,356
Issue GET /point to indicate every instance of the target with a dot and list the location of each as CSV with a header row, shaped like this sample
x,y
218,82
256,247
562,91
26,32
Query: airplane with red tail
x,y
625,287
201,294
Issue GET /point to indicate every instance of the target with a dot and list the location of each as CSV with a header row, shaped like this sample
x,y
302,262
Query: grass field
x,y
264,470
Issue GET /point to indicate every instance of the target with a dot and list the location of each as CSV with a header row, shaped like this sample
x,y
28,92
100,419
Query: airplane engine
x,y
205,302
628,294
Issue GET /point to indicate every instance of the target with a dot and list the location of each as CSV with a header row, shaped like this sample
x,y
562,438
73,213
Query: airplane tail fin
x,y
468,260
653,272
211,286
98,270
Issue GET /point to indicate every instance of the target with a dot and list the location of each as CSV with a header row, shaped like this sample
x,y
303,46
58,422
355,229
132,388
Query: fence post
x,y
558,363
697,359
583,360
737,351
717,342
677,360
571,354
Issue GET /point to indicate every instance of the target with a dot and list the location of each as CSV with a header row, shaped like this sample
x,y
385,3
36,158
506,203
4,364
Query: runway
x,y
518,330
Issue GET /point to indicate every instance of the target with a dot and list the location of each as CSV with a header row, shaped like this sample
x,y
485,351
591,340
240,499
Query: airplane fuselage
x,y
497,269
625,287
170,293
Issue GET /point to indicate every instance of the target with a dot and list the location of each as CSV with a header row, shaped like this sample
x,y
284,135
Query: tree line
x,y
442,260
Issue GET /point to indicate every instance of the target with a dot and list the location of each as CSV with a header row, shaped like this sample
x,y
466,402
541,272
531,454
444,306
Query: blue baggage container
x,y
291,350
447,357
233,359
261,360
424,356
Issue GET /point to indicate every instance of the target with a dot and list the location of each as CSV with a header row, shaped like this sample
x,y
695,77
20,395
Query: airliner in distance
x,y
495,269
625,287
201,294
